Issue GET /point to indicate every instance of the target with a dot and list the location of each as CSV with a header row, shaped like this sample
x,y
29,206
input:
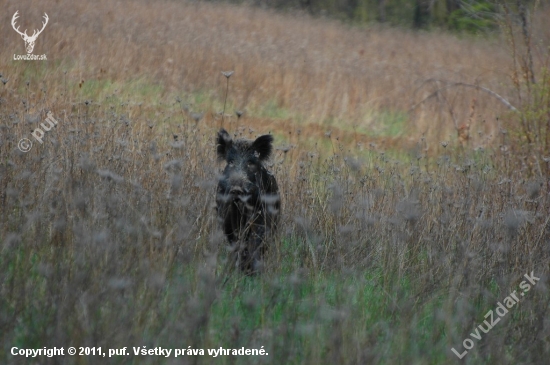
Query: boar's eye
x,y
231,162
251,164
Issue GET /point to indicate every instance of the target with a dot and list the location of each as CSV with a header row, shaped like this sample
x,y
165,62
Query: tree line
x,y
473,16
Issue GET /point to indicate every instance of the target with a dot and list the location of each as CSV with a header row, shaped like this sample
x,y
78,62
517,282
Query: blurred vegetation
x,y
471,16
390,251
108,239
476,17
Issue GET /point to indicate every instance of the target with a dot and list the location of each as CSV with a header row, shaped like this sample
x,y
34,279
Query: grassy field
x,y
400,231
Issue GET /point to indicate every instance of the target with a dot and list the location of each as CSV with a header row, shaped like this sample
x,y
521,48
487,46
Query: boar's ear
x,y
263,146
223,143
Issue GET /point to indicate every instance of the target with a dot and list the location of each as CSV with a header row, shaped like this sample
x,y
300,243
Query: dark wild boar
x,y
247,199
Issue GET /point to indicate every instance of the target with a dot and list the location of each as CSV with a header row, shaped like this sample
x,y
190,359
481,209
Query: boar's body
x,y
247,199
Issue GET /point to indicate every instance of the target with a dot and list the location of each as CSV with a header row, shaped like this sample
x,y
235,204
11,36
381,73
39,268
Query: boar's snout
x,y
239,185
236,190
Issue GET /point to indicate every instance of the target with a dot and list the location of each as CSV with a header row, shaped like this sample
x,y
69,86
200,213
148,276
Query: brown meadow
x,y
392,246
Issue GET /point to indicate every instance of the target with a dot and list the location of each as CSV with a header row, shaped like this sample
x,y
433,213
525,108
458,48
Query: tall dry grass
x,y
108,239
319,70
107,234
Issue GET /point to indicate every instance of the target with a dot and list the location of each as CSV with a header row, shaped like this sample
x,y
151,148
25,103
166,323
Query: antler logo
x,y
29,40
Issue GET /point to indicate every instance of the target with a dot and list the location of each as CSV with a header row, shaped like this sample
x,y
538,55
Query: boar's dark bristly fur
x,y
247,198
